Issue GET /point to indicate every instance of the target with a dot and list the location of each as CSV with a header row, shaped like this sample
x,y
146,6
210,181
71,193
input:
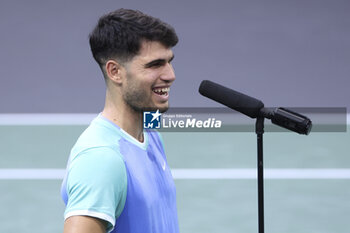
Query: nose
x,y
168,73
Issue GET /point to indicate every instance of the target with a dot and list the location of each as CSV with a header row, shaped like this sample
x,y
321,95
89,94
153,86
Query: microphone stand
x,y
254,108
259,130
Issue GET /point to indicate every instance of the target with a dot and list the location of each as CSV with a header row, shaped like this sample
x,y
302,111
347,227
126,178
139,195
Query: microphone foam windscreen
x,y
230,98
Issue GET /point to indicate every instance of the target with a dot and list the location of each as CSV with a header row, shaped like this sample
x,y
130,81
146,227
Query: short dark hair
x,y
118,35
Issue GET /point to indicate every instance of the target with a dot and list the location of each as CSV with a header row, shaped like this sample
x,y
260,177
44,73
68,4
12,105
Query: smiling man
x,y
117,177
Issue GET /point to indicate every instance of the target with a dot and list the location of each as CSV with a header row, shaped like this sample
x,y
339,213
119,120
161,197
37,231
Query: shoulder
x,y
97,156
99,165
99,134
96,149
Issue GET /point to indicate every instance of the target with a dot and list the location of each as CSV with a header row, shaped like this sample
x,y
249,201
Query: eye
x,y
155,65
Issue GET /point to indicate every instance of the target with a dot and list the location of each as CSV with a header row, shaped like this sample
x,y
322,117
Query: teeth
x,y
160,90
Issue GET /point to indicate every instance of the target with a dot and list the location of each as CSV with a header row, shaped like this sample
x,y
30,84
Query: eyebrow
x,y
158,62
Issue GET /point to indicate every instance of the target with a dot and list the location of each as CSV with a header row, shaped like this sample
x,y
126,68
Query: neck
x,y
124,116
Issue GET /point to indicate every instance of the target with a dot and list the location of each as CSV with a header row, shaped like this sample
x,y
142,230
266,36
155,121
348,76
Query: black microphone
x,y
233,99
255,108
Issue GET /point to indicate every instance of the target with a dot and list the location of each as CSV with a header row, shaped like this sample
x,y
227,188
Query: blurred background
x,y
294,53
289,53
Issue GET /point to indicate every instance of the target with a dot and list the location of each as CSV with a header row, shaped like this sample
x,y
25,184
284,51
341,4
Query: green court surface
x,y
319,205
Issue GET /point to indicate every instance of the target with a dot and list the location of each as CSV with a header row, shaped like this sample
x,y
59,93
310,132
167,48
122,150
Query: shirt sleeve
x,y
97,185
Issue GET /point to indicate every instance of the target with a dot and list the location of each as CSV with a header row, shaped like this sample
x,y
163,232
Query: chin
x,y
162,110
163,107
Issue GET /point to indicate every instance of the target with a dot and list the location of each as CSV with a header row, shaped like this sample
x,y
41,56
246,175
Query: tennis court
x,y
307,185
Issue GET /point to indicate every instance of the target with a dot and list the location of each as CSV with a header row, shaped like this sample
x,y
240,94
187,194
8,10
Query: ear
x,y
114,71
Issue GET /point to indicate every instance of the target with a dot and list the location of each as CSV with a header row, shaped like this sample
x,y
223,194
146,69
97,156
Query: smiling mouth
x,y
164,91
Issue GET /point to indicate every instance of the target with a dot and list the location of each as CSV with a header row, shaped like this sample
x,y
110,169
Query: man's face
x,y
149,76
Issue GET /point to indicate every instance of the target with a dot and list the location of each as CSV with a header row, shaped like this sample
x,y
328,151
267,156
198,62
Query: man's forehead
x,y
154,50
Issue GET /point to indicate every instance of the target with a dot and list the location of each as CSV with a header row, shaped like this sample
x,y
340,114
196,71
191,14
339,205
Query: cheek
x,y
142,82
150,76
139,91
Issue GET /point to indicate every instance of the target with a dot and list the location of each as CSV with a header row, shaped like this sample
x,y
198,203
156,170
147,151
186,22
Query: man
x,y
117,176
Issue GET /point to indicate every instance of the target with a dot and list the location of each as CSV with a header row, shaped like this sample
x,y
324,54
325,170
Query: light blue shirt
x,y
112,176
